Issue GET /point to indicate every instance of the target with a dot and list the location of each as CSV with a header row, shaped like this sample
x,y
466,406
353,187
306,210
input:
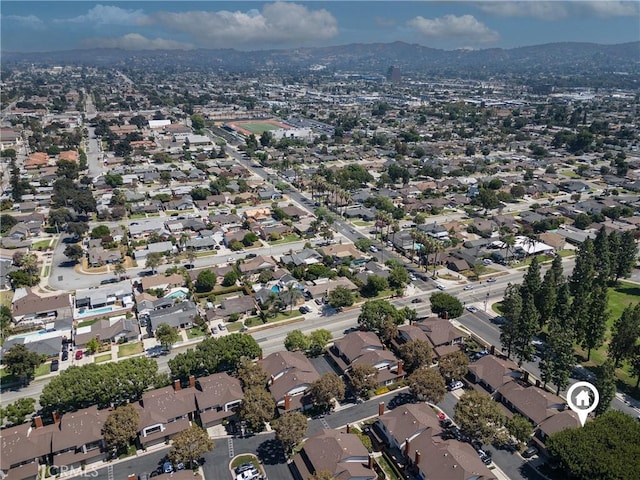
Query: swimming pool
x,y
88,312
275,289
30,334
179,293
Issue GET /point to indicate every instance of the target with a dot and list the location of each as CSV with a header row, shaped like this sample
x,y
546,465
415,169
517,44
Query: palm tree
x,y
438,247
509,240
292,294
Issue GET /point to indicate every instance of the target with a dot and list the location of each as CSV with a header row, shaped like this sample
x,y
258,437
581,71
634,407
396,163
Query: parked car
x,y
55,365
373,249
530,452
79,354
446,423
189,266
487,261
304,309
221,326
416,300
484,456
108,281
65,355
457,385
167,467
244,467
250,255
214,330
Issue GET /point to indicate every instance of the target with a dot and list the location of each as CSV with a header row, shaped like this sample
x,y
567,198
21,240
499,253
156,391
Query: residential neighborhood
x,y
370,276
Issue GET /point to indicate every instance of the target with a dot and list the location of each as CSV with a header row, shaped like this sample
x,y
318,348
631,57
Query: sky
x,y
28,26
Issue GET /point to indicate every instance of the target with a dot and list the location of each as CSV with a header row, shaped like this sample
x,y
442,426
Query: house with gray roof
x,y
180,315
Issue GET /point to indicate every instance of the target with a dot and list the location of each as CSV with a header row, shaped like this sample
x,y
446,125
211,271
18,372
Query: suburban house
x,y
180,315
340,453
28,308
444,337
554,424
108,330
530,401
493,372
290,377
357,348
241,305
163,282
398,427
217,396
23,449
164,412
257,264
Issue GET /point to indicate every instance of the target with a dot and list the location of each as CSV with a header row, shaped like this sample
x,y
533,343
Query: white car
x,y
373,249
457,385
440,287
472,309
468,287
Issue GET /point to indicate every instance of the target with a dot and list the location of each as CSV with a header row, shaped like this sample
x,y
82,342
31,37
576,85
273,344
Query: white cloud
x,y
549,10
531,8
108,15
29,21
135,41
277,23
451,26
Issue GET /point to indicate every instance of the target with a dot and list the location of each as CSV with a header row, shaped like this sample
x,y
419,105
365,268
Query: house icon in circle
x,y
582,399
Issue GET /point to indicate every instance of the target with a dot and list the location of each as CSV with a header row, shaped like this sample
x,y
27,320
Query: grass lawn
x,y
41,245
196,332
136,216
567,253
569,173
87,323
292,237
127,349
47,270
240,459
6,378
281,316
6,297
360,223
102,358
43,369
234,326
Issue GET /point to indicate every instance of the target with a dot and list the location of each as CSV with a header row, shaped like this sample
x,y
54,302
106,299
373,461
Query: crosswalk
x,y
230,445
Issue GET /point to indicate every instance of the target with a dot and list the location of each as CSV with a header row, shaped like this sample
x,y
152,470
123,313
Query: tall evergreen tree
x,y
527,327
547,296
606,384
531,281
625,334
512,307
584,270
562,309
559,357
614,250
602,254
595,319
627,256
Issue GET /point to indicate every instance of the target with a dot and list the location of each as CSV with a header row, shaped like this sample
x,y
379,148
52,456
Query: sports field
x,y
257,127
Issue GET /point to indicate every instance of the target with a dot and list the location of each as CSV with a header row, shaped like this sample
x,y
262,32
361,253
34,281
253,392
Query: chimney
x,y
416,459
381,409
176,385
526,376
348,428
370,462
406,447
56,417
287,402
400,368
192,381
493,350
38,421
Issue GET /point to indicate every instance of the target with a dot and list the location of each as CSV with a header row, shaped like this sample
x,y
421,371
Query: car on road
x,y
440,287
222,327
499,320
417,300
472,309
189,266
108,281
244,329
468,287
457,385
167,467
251,255
230,259
55,365
491,280
373,249
79,354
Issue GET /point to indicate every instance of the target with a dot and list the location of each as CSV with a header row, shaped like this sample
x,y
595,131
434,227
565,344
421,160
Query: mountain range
x,y
573,59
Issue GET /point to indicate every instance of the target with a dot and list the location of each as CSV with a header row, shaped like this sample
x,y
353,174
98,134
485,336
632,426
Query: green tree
x,y
398,277
526,329
340,296
454,365
374,313
627,255
625,334
558,358
190,445
230,278
520,428
363,379
93,345
415,354
375,284
205,281
290,429
100,231
166,335
17,411
6,318
251,374
121,428
326,388
296,340
318,339
608,448
605,382
22,362
446,305
427,385
479,416
74,252
257,408
77,229
153,260
7,222
197,121
594,322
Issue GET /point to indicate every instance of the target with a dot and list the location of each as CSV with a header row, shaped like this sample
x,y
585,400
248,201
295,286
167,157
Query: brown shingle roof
x,y
354,344
409,420
79,428
494,371
32,303
532,402
217,390
289,371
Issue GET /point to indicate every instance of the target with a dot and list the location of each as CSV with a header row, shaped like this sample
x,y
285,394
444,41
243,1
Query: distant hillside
x,y
551,59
